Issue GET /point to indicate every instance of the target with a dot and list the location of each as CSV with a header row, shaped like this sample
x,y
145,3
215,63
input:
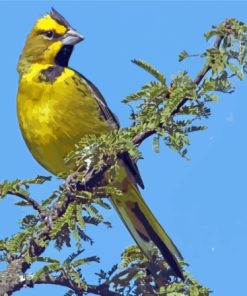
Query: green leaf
x,y
3,245
150,69
134,97
85,261
23,203
194,291
211,98
79,217
236,70
47,260
46,270
156,144
50,199
62,237
131,254
183,55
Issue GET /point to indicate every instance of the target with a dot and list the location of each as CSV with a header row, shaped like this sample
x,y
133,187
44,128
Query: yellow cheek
x,y
52,51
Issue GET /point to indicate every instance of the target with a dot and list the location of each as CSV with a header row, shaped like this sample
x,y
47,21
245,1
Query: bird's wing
x,y
107,114
113,121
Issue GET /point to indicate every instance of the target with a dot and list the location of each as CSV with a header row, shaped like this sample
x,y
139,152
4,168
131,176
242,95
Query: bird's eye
x,y
49,34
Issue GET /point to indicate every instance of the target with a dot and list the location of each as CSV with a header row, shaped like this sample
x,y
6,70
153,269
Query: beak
x,y
72,37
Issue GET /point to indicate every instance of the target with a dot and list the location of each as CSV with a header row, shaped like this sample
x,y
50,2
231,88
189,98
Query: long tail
x,y
144,227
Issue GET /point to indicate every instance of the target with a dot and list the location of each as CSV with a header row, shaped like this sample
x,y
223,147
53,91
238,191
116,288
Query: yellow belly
x,y
54,116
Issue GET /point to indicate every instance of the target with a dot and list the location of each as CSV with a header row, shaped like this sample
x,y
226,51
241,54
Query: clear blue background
x,y
202,202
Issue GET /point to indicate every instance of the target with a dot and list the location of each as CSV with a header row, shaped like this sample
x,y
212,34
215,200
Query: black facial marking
x,y
50,74
62,58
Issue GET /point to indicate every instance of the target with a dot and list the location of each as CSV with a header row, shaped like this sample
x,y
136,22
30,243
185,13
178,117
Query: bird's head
x,y
51,41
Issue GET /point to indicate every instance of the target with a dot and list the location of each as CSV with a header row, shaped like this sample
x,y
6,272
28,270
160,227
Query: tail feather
x,y
145,228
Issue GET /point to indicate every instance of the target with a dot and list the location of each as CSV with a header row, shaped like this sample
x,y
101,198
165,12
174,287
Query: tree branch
x,y
31,201
102,289
11,279
139,138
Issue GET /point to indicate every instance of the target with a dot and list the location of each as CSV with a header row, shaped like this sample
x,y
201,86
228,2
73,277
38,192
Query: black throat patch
x,y
51,74
62,58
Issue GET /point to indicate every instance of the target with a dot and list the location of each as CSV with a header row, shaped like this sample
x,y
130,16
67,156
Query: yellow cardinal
x,y
57,106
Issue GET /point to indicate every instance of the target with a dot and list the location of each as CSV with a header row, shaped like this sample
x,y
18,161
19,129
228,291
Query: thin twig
x,y
28,199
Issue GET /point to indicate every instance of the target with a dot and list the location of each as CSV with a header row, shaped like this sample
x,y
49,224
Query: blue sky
x,y
202,202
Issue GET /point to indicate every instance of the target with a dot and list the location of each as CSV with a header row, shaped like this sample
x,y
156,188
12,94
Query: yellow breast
x,y
53,116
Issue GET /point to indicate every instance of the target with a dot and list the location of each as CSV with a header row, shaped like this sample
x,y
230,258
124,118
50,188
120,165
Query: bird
x,y
57,106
